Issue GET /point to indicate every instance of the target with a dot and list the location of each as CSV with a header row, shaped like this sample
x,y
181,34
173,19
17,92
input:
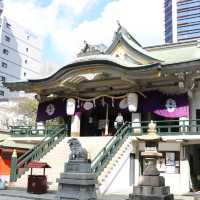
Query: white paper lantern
x,y
70,107
132,100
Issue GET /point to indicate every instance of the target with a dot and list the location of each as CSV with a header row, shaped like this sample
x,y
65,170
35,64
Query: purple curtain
x,y
170,106
51,109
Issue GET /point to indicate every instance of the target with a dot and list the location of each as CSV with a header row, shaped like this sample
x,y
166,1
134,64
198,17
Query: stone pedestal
x,y
151,189
77,182
151,185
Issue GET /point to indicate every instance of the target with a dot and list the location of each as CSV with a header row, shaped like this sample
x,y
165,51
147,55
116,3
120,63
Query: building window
x,y
24,73
27,37
26,61
1,93
4,65
8,25
5,51
7,38
26,49
3,79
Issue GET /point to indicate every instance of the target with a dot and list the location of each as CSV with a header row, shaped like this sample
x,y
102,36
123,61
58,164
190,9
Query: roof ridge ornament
x,y
119,25
123,31
89,49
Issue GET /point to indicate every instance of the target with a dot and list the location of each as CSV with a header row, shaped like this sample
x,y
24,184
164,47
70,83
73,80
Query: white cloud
x,y
143,19
77,5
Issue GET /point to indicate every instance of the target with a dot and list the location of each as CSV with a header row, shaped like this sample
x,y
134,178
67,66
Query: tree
x,y
26,109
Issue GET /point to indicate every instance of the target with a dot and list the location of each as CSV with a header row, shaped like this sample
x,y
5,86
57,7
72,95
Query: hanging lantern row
x,y
129,101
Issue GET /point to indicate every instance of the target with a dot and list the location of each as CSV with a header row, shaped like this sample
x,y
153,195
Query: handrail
x,y
106,154
35,153
42,141
164,127
108,143
32,131
168,127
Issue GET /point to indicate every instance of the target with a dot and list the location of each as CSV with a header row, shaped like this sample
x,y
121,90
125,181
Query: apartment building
x,y
20,55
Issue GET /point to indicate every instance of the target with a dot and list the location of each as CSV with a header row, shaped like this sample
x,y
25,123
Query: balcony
x,y
168,127
164,128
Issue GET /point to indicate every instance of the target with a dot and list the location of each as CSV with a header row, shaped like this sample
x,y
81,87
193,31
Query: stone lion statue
x,y
77,151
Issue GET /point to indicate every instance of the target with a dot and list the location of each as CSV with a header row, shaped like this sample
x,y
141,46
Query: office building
x,y
182,20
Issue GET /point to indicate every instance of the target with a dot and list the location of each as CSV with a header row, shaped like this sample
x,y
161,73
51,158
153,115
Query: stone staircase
x,y
55,158
110,173
58,156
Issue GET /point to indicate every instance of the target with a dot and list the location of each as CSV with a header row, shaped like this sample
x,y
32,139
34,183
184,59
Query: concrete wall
x,y
93,144
121,183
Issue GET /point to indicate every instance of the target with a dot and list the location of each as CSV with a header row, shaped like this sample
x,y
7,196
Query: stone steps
x,y
115,161
56,158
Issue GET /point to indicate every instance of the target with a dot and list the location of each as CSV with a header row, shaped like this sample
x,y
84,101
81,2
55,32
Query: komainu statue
x,y
77,151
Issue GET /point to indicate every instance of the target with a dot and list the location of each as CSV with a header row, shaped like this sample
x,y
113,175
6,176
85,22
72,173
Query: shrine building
x,y
159,83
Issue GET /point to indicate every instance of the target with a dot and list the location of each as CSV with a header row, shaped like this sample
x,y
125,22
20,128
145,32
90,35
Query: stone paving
x,y
23,195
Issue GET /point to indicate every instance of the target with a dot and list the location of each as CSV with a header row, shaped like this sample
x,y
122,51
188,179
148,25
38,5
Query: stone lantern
x,y
151,185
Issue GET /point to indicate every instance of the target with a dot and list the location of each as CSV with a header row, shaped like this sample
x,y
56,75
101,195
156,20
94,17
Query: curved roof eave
x,y
85,62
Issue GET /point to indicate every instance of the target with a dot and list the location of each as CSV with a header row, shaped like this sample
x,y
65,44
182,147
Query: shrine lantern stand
x,y
37,184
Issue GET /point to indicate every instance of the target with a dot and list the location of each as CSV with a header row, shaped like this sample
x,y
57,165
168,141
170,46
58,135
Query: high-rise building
x,y
182,20
20,54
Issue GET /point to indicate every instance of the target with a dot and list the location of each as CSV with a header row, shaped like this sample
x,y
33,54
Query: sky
x,y
63,25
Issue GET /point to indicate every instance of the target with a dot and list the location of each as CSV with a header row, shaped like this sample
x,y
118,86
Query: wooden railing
x,y
110,149
19,165
32,131
168,127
